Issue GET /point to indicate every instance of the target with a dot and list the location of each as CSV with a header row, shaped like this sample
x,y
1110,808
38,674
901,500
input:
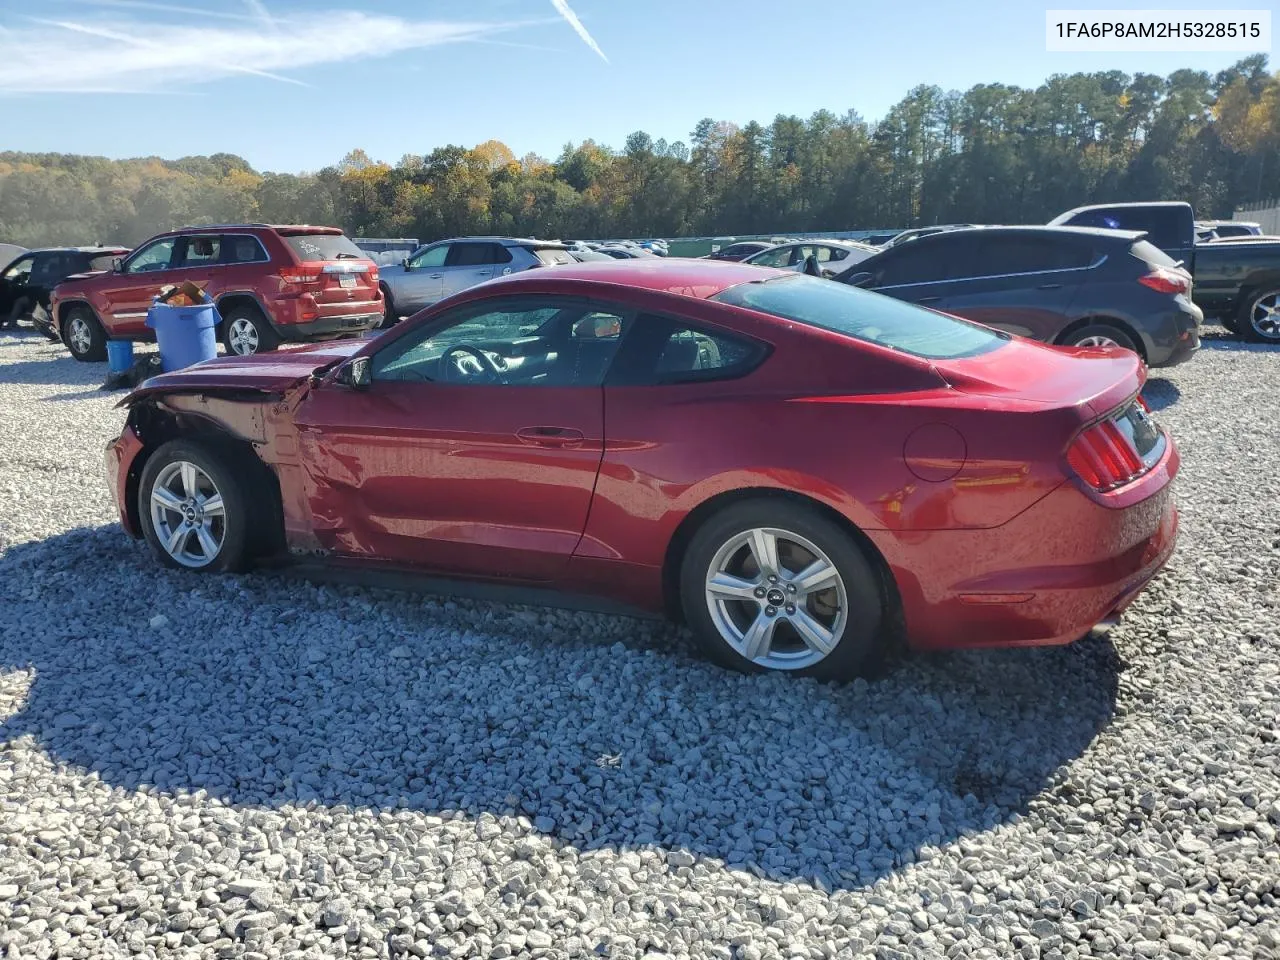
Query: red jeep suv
x,y
270,283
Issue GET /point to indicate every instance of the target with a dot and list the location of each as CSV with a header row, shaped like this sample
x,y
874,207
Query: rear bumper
x,y
1047,577
1178,337
327,328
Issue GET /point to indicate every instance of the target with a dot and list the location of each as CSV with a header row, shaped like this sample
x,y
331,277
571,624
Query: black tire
x,y
1262,328
858,643
389,316
1101,331
87,343
236,338
228,473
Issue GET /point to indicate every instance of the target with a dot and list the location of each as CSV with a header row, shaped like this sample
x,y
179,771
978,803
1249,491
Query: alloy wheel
x,y
187,514
80,335
1096,341
1265,316
243,337
776,599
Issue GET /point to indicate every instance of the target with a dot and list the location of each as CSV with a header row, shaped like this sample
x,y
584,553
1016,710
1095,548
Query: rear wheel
x,y
245,331
1262,318
84,336
192,503
389,316
1100,335
768,585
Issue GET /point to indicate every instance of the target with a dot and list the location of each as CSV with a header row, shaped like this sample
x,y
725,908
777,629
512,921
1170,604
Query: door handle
x,y
551,436
434,276
927,299
1049,286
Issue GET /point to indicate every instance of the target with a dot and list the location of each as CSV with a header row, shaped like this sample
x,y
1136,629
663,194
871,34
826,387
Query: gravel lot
x,y
260,767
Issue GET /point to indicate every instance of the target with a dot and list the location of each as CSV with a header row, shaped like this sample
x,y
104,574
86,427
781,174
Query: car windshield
x,y
871,317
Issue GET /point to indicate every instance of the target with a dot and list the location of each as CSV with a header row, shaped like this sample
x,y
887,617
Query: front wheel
x,y
1262,319
768,585
245,331
193,507
84,336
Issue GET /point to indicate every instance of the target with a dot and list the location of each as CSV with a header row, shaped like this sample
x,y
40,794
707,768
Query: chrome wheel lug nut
x,y
791,588
759,591
773,578
770,611
791,608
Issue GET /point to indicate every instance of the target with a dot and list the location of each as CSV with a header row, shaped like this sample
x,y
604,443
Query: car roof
x,y
103,249
1034,229
282,228
699,279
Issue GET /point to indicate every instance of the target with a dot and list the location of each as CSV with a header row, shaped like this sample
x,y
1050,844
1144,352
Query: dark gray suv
x,y
446,267
1076,286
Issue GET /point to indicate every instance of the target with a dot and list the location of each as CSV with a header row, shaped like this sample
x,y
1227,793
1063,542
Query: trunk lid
x,y
1095,379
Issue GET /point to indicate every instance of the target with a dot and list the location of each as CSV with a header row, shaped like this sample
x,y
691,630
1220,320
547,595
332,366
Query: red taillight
x,y
301,276
1103,457
372,274
1146,407
1164,280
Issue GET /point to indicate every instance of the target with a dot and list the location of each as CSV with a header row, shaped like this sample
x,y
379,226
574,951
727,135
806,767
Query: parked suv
x,y
270,283
1066,285
28,279
445,267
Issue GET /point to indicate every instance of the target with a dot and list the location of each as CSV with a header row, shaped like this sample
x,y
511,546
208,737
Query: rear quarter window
x,y
866,316
553,258
323,246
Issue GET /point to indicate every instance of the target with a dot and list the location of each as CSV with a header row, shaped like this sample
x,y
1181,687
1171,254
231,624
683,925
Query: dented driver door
x,y
475,444
489,480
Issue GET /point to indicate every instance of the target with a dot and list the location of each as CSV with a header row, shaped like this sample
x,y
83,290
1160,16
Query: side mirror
x,y
811,266
117,265
356,374
405,263
860,279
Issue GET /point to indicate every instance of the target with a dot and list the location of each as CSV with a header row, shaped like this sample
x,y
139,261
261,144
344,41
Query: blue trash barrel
x,y
119,355
185,335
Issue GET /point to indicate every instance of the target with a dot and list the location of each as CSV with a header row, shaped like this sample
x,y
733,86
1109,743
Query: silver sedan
x,y
833,256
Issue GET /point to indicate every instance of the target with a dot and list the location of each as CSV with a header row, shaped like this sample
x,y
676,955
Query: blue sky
x,y
294,85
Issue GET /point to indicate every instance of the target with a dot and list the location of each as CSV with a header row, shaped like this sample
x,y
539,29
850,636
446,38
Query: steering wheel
x,y
455,370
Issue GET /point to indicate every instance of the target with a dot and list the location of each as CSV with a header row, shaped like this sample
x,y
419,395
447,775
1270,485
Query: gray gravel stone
x,y
279,769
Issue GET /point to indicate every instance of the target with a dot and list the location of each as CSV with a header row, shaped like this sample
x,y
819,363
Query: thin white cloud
x,y
187,12
70,56
563,8
259,11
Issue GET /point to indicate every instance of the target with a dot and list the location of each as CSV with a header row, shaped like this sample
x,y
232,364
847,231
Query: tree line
x,y
995,153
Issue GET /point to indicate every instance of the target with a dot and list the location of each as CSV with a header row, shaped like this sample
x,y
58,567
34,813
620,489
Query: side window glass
x,y
499,253
1021,254
242,249
664,351
827,254
153,257
19,273
45,269
523,343
469,255
201,251
774,258
431,257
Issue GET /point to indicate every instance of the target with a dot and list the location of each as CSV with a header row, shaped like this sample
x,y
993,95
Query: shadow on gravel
x,y
604,731
1160,393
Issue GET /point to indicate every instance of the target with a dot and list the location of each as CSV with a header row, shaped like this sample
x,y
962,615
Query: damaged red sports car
x,y
802,471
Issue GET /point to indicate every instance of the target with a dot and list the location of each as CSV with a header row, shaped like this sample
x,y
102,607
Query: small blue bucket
x,y
119,355
185,335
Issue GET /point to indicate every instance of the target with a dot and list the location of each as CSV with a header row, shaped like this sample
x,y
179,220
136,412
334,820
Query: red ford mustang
x,y
800,470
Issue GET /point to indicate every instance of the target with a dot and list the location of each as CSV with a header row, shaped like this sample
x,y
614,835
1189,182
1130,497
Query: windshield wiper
x,y
347,256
